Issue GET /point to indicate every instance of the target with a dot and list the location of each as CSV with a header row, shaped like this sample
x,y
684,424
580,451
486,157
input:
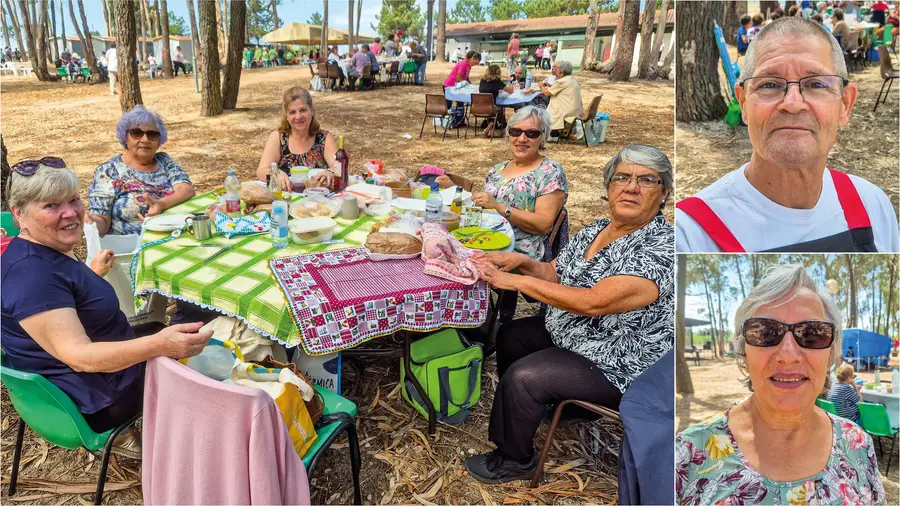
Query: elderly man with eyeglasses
x,y
795,96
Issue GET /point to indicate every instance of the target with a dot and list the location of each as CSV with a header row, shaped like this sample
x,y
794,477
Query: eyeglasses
x,y
531,134
27,168
642,181
138,134
813,88
766,333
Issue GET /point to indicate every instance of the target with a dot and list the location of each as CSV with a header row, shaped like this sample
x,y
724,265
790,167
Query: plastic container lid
x,y
314,224
299,170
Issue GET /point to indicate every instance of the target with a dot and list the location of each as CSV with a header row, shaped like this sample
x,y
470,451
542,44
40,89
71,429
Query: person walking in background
x,y
178,61
743,38
112,63
419,54
538,57
512,51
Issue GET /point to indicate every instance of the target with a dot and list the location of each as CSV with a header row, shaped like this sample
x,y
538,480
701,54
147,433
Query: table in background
x,y
464,95
891,402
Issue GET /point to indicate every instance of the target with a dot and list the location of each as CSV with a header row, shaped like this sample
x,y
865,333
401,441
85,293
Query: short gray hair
x,y
564,67
538,113
779,282
137,117
799,28
46,184
645,156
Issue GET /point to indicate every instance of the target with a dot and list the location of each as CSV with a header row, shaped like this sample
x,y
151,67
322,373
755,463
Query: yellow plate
x,y
481,238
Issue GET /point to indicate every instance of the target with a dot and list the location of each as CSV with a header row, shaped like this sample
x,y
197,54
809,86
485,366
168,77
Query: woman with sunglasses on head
x,y
777,446
61,319
140,182
611,301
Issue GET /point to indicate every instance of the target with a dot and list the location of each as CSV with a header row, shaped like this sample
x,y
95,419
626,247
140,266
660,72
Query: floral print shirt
x,y
117,190
521,192
624,345
711,469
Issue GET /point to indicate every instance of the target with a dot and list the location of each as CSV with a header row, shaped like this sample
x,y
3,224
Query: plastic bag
x,y
214,362
253,345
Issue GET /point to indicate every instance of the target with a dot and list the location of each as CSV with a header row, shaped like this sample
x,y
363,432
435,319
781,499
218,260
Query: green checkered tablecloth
x,y
237,283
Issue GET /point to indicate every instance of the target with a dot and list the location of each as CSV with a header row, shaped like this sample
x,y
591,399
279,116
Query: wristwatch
x,y
507,212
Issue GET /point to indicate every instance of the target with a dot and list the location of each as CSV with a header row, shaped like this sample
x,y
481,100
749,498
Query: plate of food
x,y
312,207
482,238
165,222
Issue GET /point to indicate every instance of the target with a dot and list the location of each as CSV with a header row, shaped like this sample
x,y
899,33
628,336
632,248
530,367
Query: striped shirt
x,y
845,397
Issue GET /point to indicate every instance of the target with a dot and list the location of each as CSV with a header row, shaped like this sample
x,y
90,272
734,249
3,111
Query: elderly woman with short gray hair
x,y
565,97
140,182
777,446
611,296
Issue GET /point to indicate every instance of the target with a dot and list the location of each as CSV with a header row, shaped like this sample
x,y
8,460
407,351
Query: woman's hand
x,y
484,200
505,261
444,181
284,181
324,178
183,340
103,262
499,279
154,206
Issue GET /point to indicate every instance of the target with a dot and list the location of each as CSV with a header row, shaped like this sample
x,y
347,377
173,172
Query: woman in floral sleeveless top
x,y
299,141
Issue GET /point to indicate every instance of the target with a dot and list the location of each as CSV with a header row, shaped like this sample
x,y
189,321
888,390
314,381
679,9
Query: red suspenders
x,y
854,212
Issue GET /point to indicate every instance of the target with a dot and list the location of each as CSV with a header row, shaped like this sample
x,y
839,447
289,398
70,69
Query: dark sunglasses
x,y
27,168
138,134
766,333
531,134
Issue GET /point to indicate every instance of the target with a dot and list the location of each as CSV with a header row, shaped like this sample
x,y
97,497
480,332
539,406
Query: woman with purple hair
x,y
140,182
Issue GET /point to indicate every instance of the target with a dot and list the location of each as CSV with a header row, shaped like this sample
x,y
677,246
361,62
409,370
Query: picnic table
x,y
464,94
891,402
322,297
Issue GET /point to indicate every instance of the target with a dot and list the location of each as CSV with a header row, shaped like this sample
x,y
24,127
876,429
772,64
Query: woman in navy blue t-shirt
x,y
61,319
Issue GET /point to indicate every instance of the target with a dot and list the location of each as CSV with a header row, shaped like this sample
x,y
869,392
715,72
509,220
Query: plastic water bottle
x,y
895,381
434,205
528,80
232,193
279,226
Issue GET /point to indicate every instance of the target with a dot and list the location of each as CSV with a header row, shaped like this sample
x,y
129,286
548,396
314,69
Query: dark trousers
x,y
534,373
179,65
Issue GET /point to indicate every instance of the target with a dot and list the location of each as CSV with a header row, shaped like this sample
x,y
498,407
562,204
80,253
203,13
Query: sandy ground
x,y
717,387
868,146
78,122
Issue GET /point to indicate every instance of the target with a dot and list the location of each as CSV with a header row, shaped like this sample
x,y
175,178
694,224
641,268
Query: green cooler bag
x,y
449,369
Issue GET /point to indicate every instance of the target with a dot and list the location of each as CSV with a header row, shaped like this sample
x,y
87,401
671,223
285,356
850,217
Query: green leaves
x,y
400,15
467,11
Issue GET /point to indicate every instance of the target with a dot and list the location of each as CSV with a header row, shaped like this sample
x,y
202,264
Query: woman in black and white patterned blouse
x,y
611,294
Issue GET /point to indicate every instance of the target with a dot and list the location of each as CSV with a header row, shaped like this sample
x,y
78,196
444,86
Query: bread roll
x,y
392,243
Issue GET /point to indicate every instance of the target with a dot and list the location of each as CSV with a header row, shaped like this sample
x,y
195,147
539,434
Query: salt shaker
x,y
350,208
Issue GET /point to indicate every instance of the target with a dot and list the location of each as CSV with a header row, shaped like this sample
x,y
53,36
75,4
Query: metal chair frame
x,y
433,113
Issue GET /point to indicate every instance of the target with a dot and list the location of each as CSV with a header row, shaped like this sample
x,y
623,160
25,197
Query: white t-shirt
x,y
760,224
112,60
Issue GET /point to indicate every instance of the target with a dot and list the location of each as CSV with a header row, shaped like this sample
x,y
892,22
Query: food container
x,y
311,230
320,191
299,176
405,191
450,221
312,207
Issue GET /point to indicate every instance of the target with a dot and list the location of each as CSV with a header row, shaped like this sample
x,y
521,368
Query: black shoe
x,y
493,468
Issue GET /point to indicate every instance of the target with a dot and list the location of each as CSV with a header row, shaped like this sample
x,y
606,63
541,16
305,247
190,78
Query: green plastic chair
x,y
887,37
877,423
86,73
8,224
62,72
52,415
409,70
337,417
826,405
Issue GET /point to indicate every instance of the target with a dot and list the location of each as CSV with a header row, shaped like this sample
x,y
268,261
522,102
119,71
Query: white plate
x,y
165,223
406,204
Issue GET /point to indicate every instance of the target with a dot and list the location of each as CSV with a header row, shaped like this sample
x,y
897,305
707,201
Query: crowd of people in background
x,y
10,55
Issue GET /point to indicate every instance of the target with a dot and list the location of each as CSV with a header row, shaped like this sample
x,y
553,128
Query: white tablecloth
x,y
464,95
890,401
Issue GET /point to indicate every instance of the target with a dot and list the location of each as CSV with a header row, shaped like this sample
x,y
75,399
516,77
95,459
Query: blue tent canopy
x,y
867,345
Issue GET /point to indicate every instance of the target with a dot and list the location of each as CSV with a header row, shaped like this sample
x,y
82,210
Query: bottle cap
x,y
230,172
435,186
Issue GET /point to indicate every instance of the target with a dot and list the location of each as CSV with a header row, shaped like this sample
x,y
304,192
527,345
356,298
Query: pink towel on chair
x,y
445,257
207,442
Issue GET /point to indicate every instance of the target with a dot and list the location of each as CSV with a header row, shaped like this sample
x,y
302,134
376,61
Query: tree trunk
x,y
14,17
246,27
222,37
767,7
39,64
683,383
619,68
6,25
106,17
73,14
195,37
126,47
351,6
620,16
652,70
645,54
892,274
852,316
441,31
42,45
275,23
740,277
232,82
211,103
45,34
89,43
587,57
711,310
359,15
429,43
112,17
731,21
697,90
722,321
323,46
54,46
666,67
62,24
166,43
142,38
159,19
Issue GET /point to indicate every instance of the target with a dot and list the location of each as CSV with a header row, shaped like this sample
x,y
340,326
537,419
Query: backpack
x,y
448,367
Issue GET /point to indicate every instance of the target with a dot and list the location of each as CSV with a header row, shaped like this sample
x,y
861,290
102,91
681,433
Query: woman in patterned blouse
x,y
298,142
611,296
777,446
139,183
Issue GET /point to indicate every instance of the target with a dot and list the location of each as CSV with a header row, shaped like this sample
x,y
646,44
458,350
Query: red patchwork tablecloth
x,y
340,299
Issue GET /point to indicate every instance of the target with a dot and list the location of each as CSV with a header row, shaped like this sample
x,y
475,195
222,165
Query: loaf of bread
x,y
255,194
393,243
